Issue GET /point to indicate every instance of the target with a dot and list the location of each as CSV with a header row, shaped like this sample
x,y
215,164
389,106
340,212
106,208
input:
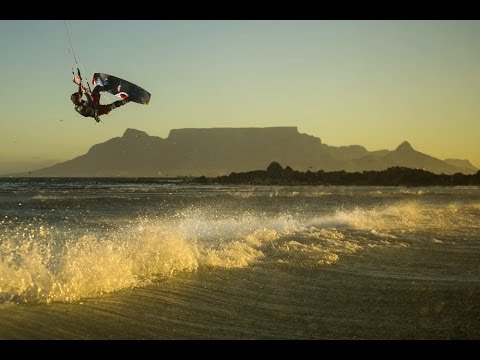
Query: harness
x,y
86,109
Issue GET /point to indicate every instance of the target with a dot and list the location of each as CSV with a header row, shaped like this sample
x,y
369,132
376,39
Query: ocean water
x,y
158,259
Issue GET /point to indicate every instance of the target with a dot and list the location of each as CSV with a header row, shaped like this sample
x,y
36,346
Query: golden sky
x,y
372,83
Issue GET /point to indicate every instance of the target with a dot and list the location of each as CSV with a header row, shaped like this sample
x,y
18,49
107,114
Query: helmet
x,y
75,98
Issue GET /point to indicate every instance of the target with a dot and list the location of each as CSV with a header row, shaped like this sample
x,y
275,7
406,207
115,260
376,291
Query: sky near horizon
x,y
372,83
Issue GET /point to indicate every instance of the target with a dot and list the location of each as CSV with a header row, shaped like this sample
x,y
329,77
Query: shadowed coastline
x,y
275,174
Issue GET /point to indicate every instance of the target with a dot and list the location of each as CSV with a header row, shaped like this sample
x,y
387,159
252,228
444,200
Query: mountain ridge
x,y
220,151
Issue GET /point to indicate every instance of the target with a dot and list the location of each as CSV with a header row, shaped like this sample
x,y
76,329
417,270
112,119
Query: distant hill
x,y
220,151
11,166
405,156
465,166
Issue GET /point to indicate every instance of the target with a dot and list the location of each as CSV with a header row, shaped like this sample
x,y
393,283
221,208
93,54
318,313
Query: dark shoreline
x,y
394,176
276,175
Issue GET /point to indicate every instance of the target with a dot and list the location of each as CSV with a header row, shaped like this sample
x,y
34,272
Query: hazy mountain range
x,y
220,151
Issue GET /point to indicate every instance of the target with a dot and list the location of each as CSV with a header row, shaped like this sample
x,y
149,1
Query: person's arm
x,y
89,97
82,91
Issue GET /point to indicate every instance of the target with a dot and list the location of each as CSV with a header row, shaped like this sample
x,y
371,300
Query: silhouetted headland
x,y
275,174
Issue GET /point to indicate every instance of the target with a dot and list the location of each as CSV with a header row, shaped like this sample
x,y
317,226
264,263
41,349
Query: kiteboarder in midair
x,y
92,107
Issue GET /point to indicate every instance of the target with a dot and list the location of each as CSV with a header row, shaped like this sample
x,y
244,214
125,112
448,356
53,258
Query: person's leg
x,y
119,103
96,93
103,109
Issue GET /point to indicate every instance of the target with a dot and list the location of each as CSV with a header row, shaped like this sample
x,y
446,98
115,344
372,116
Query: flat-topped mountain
x,y
220,151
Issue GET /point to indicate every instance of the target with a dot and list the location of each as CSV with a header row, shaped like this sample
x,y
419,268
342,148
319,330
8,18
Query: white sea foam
x,y
40,263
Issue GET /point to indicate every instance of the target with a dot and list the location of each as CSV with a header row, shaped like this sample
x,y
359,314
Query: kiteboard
x,y
121,88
